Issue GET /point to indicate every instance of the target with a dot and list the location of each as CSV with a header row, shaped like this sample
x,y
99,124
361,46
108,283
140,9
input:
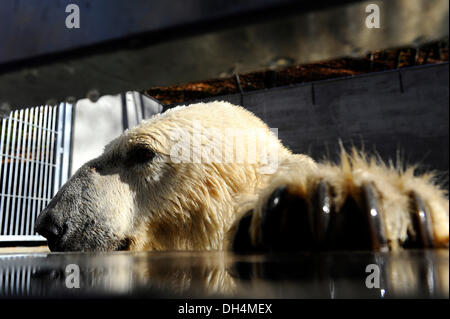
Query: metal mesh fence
x,y
34,163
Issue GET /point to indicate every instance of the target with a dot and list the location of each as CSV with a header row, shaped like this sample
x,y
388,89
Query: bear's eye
x,y
139,155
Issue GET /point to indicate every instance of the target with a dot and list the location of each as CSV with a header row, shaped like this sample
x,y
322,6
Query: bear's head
x,y
160,186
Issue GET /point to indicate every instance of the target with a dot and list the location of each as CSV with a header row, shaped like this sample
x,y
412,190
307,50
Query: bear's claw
x,y
375,222
321,200
286,223
241,240
422,236
290,222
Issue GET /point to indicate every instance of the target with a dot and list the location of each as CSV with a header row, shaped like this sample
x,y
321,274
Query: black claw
x,y
272,218
241,240
358,225
421,222
286,224
374,219
321,210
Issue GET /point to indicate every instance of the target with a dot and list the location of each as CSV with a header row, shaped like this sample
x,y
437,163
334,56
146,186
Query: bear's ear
x,y
139,155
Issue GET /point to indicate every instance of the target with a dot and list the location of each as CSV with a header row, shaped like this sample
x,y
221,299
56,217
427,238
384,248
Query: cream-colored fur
x,y
191,205
183,179
194,205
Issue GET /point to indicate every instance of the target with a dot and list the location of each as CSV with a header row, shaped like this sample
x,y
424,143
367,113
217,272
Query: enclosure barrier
x,y
34,164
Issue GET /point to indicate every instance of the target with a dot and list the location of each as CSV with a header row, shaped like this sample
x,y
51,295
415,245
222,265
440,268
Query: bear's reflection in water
x,y
215,274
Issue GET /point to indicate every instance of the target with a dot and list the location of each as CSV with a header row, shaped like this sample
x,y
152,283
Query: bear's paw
x,y
357,205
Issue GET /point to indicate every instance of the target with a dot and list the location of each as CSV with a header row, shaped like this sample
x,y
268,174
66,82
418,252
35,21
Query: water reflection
x,y
215,274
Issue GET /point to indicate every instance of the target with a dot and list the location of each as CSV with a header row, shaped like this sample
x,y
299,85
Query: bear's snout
x,y
51,227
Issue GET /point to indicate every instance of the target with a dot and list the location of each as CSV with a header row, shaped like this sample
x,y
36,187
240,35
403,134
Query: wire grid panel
x,y
16,281
34,155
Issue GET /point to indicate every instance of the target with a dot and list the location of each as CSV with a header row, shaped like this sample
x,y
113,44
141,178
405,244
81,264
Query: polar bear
x,y
213,176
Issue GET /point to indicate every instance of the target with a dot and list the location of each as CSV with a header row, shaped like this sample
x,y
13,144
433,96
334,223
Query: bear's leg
x,y
361,204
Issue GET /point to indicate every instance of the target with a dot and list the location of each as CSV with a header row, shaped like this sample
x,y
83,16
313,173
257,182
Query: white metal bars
x,y
34,164
16,281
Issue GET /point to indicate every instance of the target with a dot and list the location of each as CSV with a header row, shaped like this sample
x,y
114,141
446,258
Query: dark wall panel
x,y
401,113
391,112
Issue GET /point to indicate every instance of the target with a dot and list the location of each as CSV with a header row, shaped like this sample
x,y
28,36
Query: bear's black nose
x,y
48,226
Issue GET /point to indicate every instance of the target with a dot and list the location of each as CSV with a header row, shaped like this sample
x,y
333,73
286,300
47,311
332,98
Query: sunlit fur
x,y
163,205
